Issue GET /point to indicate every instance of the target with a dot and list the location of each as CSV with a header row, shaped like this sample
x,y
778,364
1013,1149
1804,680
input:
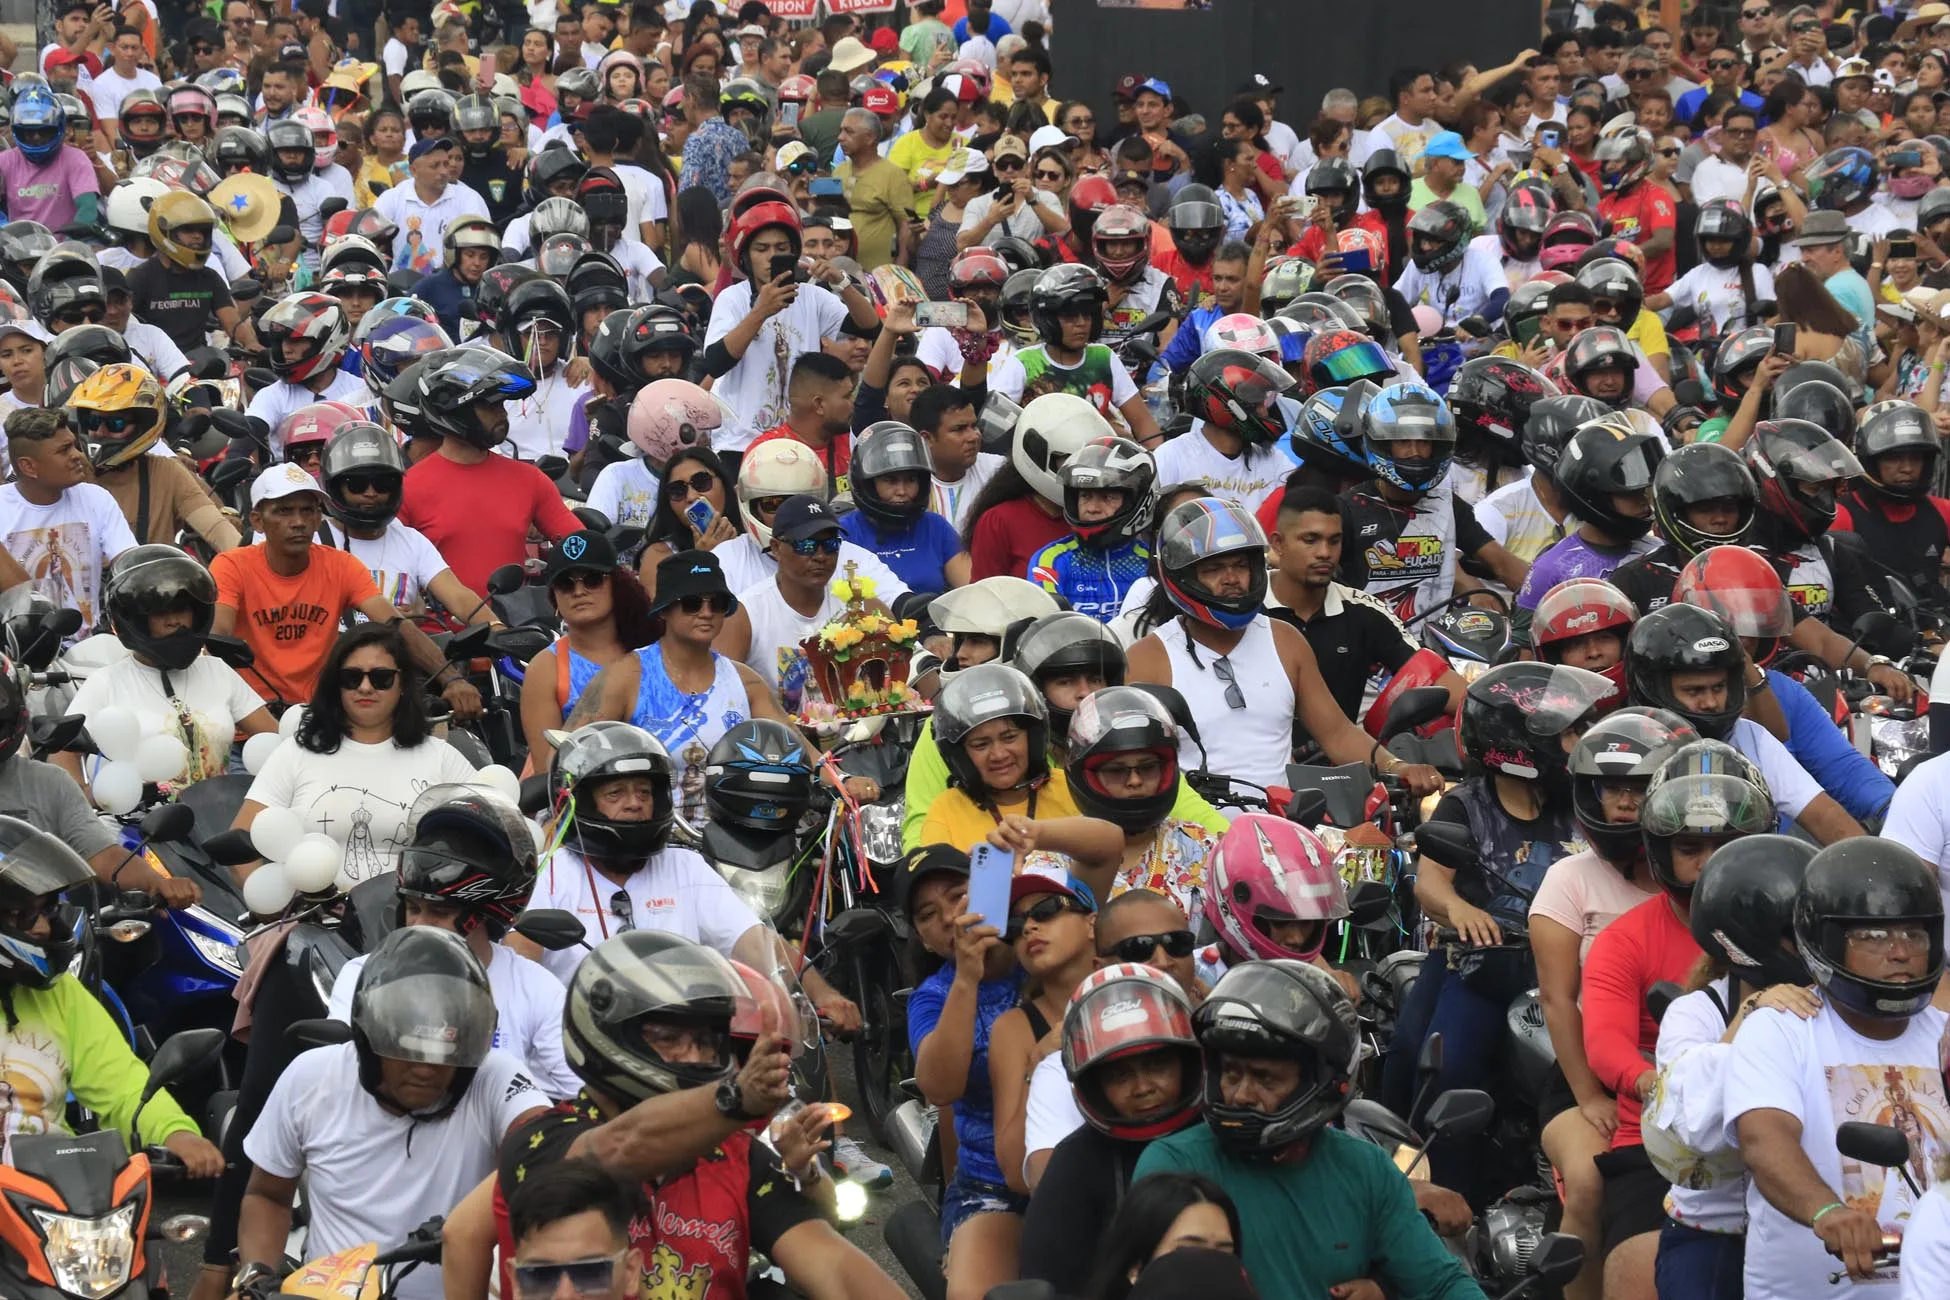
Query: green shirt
x,y
919,40
66,1040
821,132
1464,196
879,199
1344,1212
1712,430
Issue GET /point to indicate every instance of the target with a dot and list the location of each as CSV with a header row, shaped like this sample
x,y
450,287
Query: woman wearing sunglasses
x,y
364,748
696,510
605,615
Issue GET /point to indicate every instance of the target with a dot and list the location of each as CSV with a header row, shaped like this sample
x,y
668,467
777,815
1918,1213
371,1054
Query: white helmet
x,y
416,81
1049,431
128,205
783,467
990,607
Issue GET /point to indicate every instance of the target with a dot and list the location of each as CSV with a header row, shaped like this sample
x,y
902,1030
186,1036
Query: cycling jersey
x,y
1828,578
1094,581
1406,554
1153,292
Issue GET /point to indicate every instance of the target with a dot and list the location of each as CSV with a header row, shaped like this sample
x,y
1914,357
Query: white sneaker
x,y
852,1160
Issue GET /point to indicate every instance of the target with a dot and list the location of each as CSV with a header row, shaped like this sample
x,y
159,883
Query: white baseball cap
x,y
282,481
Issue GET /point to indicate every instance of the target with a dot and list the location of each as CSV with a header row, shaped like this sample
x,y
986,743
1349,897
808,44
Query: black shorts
x,y
1557,1097
1635,1196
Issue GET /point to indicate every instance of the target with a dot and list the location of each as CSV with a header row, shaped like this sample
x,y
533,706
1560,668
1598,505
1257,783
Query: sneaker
x,y
852,1160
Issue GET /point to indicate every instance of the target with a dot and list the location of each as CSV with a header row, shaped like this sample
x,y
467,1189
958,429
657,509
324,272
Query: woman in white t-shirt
x,y
361,756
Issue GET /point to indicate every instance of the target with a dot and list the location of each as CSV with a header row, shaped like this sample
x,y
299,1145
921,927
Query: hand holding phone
x,y
1902,248
1784,339
948,315
990,869
699,513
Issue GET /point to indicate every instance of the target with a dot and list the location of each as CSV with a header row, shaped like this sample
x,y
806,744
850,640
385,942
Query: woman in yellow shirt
x,y
922,154
385,161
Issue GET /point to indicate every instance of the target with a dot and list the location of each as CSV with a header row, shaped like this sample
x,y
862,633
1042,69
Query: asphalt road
x,y
183,1262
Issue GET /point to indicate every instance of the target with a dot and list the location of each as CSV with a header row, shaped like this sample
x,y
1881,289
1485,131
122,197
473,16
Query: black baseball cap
x,y
801,517
930,860
583,551
689,573
1260,84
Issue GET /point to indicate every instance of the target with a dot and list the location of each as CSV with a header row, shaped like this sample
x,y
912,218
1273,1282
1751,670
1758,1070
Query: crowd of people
x,y
1175,431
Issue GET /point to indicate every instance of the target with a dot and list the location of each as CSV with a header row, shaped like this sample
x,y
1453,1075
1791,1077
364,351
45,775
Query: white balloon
x,y
345,881
500,780
117,787
276,832
116,733
153,722
313,863
161,757
257,750
288,724
267,890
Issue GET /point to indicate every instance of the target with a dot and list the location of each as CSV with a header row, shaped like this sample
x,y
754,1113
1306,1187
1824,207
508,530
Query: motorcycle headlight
x,y
90,1257
762,891
880,831
219,952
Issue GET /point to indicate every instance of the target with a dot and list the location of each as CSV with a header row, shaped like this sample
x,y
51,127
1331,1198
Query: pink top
x,y
1585,893
45,192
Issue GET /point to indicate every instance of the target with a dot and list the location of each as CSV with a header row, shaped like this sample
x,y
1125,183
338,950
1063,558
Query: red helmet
x,y
1127,1010
314,318
1239,393
314,424
1566,238
770,209
1120,223
977,268
1088,197
1577,608
1743,587
797,89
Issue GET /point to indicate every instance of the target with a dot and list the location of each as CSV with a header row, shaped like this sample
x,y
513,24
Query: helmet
x,y
1523,314
1243,332
319,122
1050,430
1409,412
580,81
1520,226
1552,422
744,105
240,147
1602,347
1327,433
1438,236
316,319
763,210
535,304
472,850
1205,529
626,337
1332,181
1239,393
96,343
607,203
1067,288
1317,311
233,110
472,232
1367,301
1017,293
1624,157
1893,426
558,255
1742,909
977,268
672,414
1605,459
155,579
1384,162
1684,638
389,341
1630,745
35,869
430,113
119,412
363,448
1266,869
1742,587
551,165
192,101
1119,721
40,124
1118,1012
1799,468
891,447
355,252
128,205
1337,356
635,976
402,403
982,694
1724,219
1108,465
1580,607
1613,281
451,385
1285,1010
312,425
990,606
1867,882
1197,225
1286,279
64,376
782,467
1120,223
555,216
1737,358
423,997
65,277
476,113
1515,715
1090,196
1705,788
1492,397
757,776
598,752
597,281
1064,644
1566,237
1692,476
797,89
1841,178
285,135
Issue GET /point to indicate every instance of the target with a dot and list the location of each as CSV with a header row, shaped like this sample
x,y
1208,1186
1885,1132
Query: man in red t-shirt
x,y
820,394
1643,213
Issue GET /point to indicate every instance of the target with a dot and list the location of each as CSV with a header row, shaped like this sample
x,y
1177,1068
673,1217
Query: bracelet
x,y
1832,1205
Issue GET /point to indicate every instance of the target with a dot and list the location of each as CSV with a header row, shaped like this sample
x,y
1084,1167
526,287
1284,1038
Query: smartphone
x,y
699,512
950,315
789,115
1784,339
1902,248
1357,259
989,872
788,264
1906,158
1550,137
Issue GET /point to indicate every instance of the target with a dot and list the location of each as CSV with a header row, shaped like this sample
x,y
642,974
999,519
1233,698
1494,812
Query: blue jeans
x,y
1471,1026
967,1197
1695,1265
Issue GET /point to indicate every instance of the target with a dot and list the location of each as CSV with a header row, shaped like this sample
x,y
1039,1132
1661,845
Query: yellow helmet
x,y
118,411
170,214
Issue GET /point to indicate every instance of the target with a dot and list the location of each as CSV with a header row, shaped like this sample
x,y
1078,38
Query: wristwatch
x,y
731,1102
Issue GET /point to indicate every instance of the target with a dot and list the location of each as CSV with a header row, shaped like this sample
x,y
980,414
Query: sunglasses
x,y
568,582
360,484
382,679
1049,174
1042,912
1222,669
623,910
1723,63
1139,947
586,1277
203,49
1757,13
116,422
1082,119
810,546
719,603
1668,153
767,505
701,482
1799,28
1639,74
1007,164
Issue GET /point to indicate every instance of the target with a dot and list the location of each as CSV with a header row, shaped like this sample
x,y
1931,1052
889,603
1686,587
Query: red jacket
x,y
1647,944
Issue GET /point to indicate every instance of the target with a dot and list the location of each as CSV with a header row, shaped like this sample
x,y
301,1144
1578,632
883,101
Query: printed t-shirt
x,y
290,623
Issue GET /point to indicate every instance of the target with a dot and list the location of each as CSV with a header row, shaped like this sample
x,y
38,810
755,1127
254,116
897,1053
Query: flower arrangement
x,y
859,659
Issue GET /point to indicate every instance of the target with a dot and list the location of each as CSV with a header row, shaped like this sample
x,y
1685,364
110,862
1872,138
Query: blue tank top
x,y
688,725
581,672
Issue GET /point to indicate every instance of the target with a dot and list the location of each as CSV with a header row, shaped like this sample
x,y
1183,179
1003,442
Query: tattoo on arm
x,y
590,708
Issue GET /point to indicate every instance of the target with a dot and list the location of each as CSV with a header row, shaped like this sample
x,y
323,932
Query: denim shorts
x,y
967,1197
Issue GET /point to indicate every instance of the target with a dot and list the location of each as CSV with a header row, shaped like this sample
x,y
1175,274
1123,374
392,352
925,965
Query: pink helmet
x,y
324,135
670,415
1264,868
1244,331
1566,238
313,425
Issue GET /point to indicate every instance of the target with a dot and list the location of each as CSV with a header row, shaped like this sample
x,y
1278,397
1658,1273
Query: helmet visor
x,y
1824,462
1356,361
36,863
1553,703
1707,804
1197,216
1199,530
435,1019
1116,1017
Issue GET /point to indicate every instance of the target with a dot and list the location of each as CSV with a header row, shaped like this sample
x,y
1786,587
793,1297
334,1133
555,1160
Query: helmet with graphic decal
x,y
1521,719
1212,562
471,852
1271,889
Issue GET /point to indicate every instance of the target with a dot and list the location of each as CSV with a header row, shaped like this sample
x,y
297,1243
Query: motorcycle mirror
x,y
1448,844
169,822
1306,808
1459,1112
231,848
1879,633
228,474
246,289
304,1034
182,1055
1429,1061
1369,900
259,377
1414,707
62,734
534,794
1557,1259
553,467
551,928
234,424
625,538
1873,1144
228,648
506,580
1659,997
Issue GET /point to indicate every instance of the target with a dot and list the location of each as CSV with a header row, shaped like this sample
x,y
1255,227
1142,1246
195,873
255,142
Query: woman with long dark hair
x,y
605,615
1789,139
1823,327
534,77
697,238
692,475
1161,1213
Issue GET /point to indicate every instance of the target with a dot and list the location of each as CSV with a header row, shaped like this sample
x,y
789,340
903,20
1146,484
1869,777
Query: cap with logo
x,y
279,481
801,517
689,573
583,551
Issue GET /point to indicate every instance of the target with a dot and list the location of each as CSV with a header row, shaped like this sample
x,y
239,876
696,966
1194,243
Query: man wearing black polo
x,y
1352,634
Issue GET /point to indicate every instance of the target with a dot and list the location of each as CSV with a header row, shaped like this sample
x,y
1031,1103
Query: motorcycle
x,y
1878,1144
364,1272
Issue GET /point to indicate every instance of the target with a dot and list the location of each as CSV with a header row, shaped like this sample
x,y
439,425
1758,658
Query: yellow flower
x,y
871,624
841,589
865,587
906,630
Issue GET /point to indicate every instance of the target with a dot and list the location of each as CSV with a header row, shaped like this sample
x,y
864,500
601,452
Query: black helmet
x,y
1867,882
66,277
1552,422
1281,1010
1807,372
1604,459
1197,224
890,447
431,114
35,870
453,381
1515,715
1602,347
401,400
1438,236
1611,280
626,337
1705,789
290,133
1327,435
1738,357
236,147
598,752
96,343
423,997
1018,296
596,280
1724,219
1018,253
65,375
364,449
1384,162
22,244
1108,465
1681,639
1320,312
1742,910
472,850
477,113
1629,745
1693,475
1061,645
1063,289
641,975
538,302
1491,398
555,162
982,694
1841,178
1894,426
1799,469
1932,208
758,777
1121,722
154,579
1332,181
1820,403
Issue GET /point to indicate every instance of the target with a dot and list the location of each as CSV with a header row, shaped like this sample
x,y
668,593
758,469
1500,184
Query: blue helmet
x,y
1403,413
396,343
1326,434
37,112
1840,178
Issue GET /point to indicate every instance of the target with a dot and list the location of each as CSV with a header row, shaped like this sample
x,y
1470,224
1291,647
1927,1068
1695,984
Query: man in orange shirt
x,y
292,595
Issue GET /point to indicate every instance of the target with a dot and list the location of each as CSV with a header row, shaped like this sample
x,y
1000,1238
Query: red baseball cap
x,y
881,100
886,40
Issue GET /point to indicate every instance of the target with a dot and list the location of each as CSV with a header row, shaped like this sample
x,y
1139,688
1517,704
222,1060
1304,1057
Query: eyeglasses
x,y
586,1277
719,602
1139,947
1007,164
1222,669
1573,325
1116,774
360,484
1736,130
810,546
568,582
1881,939
1640,74
1050,173
382,679
1723,63
1042,912
701,482
1798,28
203,49
1081,119
1668,153
623,910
